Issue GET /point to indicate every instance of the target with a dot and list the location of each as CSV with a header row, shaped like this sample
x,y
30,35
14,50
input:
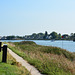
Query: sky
x,y
24,17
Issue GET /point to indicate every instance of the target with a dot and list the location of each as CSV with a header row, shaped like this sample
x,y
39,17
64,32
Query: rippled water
x,y
68,45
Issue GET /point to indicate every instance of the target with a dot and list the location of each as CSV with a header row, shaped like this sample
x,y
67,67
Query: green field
x,y
11,67
48,60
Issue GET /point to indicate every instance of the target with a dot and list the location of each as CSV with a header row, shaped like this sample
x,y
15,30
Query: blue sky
x,y
22,17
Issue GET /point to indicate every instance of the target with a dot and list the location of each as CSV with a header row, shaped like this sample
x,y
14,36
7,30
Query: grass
x,y
11,67
48,60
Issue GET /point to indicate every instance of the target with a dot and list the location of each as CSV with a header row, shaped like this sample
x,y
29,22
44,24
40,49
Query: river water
x,y
68,45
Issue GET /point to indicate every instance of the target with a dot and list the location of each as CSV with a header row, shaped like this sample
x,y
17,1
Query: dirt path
x,y
24,63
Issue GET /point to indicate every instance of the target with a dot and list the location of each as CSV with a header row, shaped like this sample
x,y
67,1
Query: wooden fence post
x,y
4,57
0,46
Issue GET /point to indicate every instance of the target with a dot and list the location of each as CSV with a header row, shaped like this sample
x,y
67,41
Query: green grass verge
x,y
48,60
7,69
12,67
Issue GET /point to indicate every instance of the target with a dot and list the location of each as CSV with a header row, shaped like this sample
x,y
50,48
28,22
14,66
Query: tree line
x,y
52,36
42,36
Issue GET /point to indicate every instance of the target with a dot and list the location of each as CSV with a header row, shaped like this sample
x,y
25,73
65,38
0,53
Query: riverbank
x,y
48,60
24,63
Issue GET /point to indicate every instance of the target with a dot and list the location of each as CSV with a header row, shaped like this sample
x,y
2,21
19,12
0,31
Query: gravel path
x,y
24,63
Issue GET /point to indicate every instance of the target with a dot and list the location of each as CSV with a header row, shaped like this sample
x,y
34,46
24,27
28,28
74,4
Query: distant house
x,y
0,37
48,37
15,38
3,38
65,36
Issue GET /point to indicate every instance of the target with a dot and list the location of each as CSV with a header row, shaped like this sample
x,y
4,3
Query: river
x,y
68,45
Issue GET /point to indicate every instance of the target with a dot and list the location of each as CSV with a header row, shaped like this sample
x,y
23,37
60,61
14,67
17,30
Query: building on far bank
x,y
0,37
3,38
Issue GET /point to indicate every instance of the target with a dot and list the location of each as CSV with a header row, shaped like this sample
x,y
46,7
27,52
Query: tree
x,y
33,36
74,37
54,35
46,34
59,36
40,35
10,37
71,36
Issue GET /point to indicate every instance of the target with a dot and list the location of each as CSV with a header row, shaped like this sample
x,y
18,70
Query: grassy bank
x,y
11,67
48,60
